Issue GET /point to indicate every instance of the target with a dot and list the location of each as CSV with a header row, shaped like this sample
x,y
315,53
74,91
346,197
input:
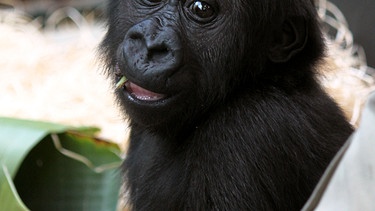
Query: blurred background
x,y
360,16
41,7
50,67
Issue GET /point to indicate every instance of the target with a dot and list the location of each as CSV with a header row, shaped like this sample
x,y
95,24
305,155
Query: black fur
x,y
242,123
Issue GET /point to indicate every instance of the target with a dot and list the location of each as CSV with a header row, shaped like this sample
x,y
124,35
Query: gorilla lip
x,y
141,93
138,92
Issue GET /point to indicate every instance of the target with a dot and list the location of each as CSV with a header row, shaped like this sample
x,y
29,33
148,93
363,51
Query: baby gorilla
x,y
223,103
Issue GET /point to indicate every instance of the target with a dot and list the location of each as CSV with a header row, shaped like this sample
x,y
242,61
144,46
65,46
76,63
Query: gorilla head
x,y
224,106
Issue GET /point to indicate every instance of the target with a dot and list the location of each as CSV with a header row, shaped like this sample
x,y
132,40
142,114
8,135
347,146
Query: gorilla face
x,y
184,55
181,58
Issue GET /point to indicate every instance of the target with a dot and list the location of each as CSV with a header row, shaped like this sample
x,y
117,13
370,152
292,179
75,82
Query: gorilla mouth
x,y
138,92
142,94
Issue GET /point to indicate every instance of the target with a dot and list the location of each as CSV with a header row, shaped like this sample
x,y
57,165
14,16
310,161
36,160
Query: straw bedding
x,y
54,76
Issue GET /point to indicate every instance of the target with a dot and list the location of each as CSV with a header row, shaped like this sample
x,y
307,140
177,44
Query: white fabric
x,y
349,182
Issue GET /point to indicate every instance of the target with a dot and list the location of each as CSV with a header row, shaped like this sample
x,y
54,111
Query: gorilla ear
x,y
288,41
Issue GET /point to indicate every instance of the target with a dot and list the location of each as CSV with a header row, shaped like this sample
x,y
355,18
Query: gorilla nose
x,y
157,51
152,50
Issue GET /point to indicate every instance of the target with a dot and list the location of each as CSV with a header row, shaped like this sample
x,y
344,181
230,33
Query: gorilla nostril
x,y
158,52
136,36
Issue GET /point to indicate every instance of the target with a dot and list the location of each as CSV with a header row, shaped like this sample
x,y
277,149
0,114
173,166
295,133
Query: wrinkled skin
x,y
223,103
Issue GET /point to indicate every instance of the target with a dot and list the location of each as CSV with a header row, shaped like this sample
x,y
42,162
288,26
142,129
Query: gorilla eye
x,y
202,9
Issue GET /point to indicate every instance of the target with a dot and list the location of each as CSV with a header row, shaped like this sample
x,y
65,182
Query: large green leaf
x,y
9,198
56,167
18,137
